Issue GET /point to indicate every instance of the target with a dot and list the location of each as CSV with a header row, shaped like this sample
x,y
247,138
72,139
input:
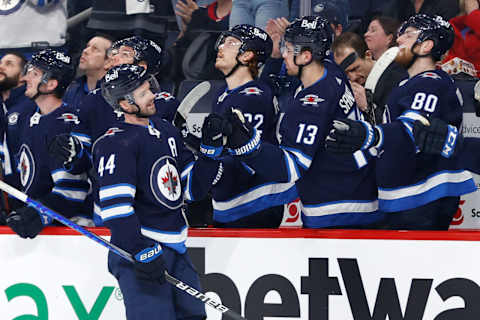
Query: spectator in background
x,y
193,54
351,54
93,65
467,34
444,8
257,12
335,11
381,35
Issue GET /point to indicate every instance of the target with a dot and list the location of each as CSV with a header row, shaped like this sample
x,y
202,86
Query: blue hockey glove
x,y
27,222
348,136
243,140
149,265
214,130
438,138
66,148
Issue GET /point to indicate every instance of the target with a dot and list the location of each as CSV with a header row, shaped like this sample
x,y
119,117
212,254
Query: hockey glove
x,y
438,138
214,130
180,123
149,265
27,222
348,136
243,140
66,148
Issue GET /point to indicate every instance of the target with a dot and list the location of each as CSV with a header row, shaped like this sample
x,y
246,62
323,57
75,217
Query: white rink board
x,y
51,262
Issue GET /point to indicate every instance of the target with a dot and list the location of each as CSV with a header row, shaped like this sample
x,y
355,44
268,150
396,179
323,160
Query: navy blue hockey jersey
x,y
139,172
240,192
335,190
41,175
408,179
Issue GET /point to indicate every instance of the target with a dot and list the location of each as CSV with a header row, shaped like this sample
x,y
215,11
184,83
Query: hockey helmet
x,y
144,50
253,39
55,65
433,28
311,33
120,82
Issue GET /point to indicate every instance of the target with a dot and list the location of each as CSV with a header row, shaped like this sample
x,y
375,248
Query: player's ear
x,y
368,55
52,84
426,46
246,56
143,64
125,105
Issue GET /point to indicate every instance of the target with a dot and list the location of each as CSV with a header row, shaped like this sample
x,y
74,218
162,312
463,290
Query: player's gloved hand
x,y
27,222
243,139
180,123
348,136
214,130
149,265
66,148
438,138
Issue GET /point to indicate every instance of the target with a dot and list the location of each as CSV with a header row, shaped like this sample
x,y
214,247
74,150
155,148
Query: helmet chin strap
x,y
235,67
416,56
136,113
39,93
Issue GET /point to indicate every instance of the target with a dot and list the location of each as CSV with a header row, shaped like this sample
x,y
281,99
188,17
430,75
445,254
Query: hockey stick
x,y
377,71
122,253
192,98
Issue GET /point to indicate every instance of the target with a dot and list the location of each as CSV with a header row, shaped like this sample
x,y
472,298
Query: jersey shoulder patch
x,y
69,117
252,91
167,96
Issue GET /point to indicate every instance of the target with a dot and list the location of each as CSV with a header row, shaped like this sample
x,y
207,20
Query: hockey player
x,y
333,190
242,198
139,167
96,115
420,191
47,76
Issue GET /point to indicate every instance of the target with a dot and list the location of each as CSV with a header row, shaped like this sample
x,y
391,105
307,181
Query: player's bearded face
x,y
144,98
405,43
7,83
10,72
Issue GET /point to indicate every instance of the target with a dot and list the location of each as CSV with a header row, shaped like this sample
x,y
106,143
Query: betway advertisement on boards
x,y
59,277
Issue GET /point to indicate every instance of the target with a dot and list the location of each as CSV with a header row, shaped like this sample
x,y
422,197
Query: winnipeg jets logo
x,y
69,117
26,166
252,90
35,119
222,97
13,118
311,99
9,6
164,95
432,75
165,182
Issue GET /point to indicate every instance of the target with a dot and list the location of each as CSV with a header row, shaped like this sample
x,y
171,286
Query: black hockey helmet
x,y
253,39
311,33
55,65
144,50
433,28
120,82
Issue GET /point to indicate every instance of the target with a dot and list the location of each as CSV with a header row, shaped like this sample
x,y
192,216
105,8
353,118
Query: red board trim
x,y
452,235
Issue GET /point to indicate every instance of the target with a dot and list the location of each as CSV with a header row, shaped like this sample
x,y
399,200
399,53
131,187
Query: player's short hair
x,y
350,40
23,60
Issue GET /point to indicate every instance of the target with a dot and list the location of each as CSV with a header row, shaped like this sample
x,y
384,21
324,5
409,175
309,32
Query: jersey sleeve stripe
x,y
187,191
117,191
292,168
186,170
339,207
443,177
163,236
71,193
252,195
117,211
301,158
60,175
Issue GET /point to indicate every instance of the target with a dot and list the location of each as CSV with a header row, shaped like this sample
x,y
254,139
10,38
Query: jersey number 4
x,y
109,165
